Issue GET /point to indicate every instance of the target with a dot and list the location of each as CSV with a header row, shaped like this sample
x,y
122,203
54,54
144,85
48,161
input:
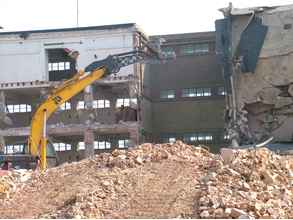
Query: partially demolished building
x,y
255,47
93,120
34,62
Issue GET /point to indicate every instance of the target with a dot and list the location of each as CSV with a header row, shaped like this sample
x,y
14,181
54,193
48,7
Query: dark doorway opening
x,y
60,65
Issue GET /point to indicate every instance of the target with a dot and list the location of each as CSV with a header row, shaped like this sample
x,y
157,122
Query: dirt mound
x,y
159,181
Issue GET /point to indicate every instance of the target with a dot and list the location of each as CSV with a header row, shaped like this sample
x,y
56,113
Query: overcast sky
x,y
153,16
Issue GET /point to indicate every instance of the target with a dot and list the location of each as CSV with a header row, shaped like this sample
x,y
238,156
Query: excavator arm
x,y
37,140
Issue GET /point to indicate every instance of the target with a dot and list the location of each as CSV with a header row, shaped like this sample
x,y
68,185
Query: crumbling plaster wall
x,y
265,97
31,58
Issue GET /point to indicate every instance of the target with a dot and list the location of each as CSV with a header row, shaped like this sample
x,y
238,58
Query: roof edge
x,y
186,33
102,27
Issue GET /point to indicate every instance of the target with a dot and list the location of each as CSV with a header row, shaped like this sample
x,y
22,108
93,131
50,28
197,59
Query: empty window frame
x,y
18,108
62,146
65,106
80,105
123,143
287,26
190,92
60,66
190,137
168,50
81,146
125,102
169,138
12,149
207,92
221,91
187,49
102,103
102,145
203,137
202,48
196,92
167,94
191,49
197,137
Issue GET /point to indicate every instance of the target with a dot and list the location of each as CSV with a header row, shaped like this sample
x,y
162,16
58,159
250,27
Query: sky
x,y
153,16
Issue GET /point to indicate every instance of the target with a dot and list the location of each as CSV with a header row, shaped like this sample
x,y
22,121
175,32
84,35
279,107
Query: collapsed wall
x,y
255,46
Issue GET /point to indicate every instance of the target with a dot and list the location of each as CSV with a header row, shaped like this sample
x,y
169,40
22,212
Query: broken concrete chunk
x,y
245,186
236,213
268,177
228,211
139,160
244,217
227,155
205,214
219,213
122,157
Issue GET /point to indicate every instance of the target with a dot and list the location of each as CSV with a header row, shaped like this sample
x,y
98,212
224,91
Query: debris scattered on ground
x,y
159,181
255,184
10,181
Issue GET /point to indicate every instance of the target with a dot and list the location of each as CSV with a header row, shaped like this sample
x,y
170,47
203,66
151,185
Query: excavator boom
x,y
37,140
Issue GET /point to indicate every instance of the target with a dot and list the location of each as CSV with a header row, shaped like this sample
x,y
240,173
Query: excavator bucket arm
x,y
37,141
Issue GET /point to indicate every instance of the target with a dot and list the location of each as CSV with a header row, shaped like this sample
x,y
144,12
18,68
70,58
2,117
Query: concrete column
x,y
134,137
2,144
73,103
3,115
114,143
74,151
2,101
88,97
113,110
89,138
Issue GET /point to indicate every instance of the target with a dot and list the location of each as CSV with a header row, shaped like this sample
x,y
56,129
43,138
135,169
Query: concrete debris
x,y
159,181
11,181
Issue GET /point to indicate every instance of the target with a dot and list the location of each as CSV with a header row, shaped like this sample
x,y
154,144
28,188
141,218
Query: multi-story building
x,y
179,99
186,95
34,62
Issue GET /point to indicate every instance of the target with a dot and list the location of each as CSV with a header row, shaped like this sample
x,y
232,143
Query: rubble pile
x,y
256,183
114,189
157,181
10,181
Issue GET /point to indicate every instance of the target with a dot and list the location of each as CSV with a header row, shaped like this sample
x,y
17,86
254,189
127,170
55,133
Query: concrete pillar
x,y
2,144
73,103
114,143
73,152
3,115
134,137
2,101
113,109
89,138
88,97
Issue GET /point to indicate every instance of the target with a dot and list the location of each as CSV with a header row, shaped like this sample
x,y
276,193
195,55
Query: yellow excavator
x,y
37,141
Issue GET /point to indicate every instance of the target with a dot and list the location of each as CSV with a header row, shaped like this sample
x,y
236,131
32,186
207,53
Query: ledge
x,y
75,129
